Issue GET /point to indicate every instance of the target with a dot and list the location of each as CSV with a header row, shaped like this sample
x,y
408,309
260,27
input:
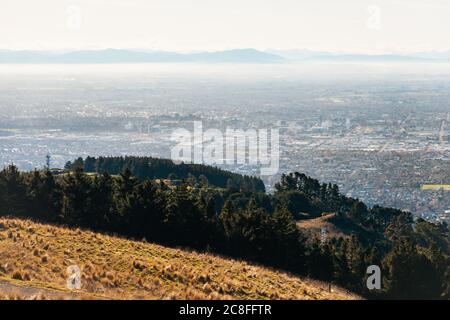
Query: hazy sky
x,y
371,26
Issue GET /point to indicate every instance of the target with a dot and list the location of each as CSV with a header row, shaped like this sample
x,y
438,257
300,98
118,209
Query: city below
x,y
382,138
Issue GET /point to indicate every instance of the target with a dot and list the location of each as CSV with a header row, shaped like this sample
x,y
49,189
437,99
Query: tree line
x,y
155,168
413,255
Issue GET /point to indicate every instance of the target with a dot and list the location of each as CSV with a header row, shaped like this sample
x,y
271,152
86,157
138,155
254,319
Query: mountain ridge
x,y
243,55
246,55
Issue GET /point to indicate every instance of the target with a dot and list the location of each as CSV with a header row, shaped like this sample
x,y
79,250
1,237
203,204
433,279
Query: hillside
x,y
34,260
314,227
333,226
155,168
251,226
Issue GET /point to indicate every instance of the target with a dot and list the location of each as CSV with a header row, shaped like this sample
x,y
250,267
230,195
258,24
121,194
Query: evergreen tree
x,y
13,195
102,215
411,275
43,196
286,241
76,204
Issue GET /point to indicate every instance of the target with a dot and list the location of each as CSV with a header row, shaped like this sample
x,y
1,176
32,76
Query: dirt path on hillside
x,y
10,290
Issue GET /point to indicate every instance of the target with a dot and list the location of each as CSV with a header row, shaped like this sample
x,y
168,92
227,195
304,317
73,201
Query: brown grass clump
x,y
46,258
21,275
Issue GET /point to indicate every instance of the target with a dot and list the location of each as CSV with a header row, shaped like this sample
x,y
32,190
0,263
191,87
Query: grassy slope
x,y
313,227
34,260
335,228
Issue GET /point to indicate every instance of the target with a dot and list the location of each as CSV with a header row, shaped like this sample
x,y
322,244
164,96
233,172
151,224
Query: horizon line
x,y
265,50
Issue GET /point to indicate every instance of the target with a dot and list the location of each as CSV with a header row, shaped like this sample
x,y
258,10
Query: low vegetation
x,y
37,256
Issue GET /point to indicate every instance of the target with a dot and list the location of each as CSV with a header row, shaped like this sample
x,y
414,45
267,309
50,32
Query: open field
x,y
314,227
445,187
34,262
329,226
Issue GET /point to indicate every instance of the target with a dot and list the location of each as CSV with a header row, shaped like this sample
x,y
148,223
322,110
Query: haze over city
x,y
225,150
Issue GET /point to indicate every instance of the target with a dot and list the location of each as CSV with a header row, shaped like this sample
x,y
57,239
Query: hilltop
x,y
155,168
35,257
313,227
335,227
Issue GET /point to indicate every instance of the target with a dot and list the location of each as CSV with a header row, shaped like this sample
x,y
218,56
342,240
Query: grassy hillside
x,y
34,259
335,227
314,227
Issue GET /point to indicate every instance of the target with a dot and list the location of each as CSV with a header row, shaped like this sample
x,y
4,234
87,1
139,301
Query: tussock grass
x,y
38,256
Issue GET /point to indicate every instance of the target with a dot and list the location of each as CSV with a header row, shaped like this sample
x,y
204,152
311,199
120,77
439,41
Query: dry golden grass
x,y
34,259
313,227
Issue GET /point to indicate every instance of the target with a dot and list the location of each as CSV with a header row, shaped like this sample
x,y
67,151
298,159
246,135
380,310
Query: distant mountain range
x,y
307,55
130,56
227,56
